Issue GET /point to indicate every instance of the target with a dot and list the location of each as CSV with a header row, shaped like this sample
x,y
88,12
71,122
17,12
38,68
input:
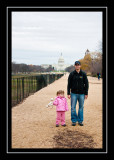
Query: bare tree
x,y
100,47
96,64
70,68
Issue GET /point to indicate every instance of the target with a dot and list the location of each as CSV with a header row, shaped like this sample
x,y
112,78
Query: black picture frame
x,y
6,8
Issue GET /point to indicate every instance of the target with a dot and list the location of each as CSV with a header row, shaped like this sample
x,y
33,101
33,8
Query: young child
x,y
61,106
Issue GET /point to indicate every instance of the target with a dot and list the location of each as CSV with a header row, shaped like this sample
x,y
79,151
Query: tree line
x,y
91,64
24,68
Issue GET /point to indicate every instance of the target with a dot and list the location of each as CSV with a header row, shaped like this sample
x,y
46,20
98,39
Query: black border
x,y
4,58
103,10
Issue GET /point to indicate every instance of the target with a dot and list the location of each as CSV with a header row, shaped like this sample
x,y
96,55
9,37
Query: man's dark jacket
x,y
77,83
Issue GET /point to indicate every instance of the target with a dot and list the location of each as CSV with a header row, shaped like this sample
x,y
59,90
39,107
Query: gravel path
x,y
33,125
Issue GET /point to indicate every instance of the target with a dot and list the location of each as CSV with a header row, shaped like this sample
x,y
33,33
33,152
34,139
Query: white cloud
x,y
55,32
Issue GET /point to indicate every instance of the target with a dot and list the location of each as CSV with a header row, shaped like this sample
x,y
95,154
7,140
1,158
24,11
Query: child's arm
x,y
55,102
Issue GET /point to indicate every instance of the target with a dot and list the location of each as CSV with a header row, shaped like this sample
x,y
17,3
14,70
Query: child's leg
x,y
58,118
62,117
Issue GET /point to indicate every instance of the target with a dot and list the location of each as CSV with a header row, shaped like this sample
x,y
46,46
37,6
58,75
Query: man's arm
x,y
86,83
69,85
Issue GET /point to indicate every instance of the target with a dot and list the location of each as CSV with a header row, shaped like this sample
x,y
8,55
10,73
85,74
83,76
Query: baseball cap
x,y
77,62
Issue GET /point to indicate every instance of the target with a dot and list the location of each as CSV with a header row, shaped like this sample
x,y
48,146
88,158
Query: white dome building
x,y
61,64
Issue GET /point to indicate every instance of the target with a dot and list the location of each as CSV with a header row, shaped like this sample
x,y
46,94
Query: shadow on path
x,y
73,139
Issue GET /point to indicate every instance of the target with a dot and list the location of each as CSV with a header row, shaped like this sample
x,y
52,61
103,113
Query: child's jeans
x,y
60,117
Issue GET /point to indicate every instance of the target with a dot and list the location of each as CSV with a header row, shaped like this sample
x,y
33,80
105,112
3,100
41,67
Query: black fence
x,y
25,86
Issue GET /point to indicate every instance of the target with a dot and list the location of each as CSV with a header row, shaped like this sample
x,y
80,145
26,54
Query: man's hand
x,y
86,96
69,96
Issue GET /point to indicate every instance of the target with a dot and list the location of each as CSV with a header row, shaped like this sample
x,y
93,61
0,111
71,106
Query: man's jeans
x,y
74,116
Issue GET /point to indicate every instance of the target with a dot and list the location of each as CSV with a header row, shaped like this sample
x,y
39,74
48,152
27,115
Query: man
x,y
78,86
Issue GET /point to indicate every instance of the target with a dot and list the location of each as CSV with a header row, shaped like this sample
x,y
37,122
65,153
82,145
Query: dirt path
x,y
33,125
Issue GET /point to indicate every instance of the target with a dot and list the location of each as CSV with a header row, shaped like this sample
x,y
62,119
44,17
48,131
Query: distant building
x,y
92,54
87,52
61,64
46,66
58,67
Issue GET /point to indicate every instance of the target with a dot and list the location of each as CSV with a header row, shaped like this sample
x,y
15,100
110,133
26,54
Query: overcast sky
x,y
40,37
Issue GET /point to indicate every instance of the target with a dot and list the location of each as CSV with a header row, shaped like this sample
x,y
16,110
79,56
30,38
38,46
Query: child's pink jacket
x,y
61,104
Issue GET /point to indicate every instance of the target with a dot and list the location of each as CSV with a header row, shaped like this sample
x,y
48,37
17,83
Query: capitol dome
x,y
61,60
61,64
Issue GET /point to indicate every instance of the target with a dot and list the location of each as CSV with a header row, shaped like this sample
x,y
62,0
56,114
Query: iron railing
x,y
25,86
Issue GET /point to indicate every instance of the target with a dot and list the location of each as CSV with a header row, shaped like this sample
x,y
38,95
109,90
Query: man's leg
x,y
74,117
81,106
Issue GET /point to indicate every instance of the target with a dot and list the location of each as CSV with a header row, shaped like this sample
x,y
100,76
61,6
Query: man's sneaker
x,y
73,124
64,125
57,125
81,124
